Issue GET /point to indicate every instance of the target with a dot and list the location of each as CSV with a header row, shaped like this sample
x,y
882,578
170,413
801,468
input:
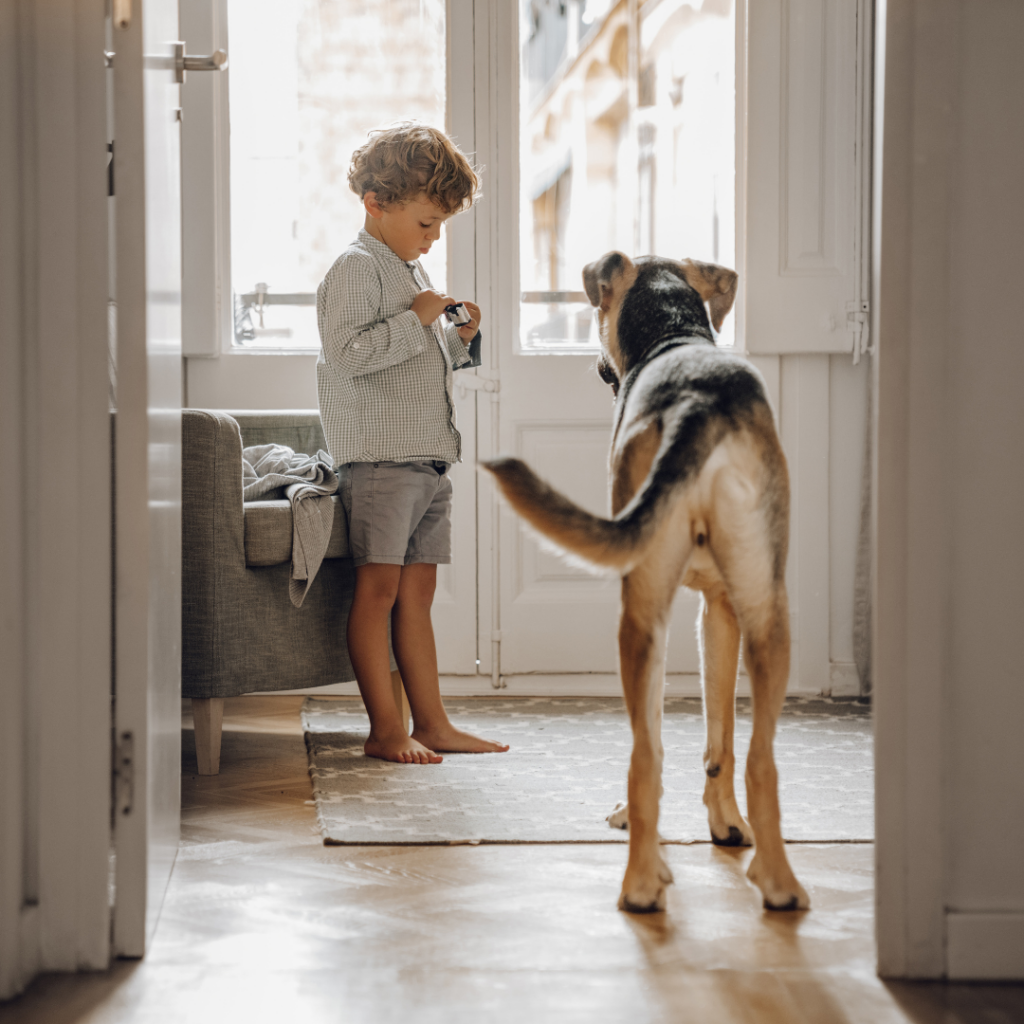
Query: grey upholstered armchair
x,y
240,631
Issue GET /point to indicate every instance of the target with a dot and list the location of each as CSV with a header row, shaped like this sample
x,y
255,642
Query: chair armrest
x,y
212,525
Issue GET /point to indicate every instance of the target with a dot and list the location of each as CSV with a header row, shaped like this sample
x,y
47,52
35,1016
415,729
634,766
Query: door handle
x,y
216,61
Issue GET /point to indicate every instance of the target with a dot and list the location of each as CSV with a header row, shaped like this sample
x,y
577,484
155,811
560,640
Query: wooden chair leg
x,y
401,700
208,716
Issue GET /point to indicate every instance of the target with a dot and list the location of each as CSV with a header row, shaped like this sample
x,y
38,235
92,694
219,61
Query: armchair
x,y
240,631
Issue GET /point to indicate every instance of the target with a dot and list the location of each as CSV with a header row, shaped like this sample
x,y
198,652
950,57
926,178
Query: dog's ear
x,y
714,284
601,276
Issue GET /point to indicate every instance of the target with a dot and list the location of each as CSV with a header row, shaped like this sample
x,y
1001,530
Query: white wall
x,y
247,380
949,550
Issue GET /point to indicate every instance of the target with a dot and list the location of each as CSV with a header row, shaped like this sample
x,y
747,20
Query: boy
x,y
384,379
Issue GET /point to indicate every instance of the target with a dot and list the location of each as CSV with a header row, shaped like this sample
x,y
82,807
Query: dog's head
x,y
641,303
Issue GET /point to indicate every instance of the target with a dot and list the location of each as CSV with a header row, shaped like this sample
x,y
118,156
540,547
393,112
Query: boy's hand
x,y
467,332
429,305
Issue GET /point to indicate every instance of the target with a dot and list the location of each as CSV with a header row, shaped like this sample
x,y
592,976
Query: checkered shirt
x,y
384,380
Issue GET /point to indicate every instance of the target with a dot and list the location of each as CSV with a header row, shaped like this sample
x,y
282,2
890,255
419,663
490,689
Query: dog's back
x,y
678,398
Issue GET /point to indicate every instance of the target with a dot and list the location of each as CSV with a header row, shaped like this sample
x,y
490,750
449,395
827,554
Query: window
x,y
309,79
627,125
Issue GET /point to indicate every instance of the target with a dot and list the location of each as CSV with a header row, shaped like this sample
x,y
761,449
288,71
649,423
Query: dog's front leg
x,y
642,633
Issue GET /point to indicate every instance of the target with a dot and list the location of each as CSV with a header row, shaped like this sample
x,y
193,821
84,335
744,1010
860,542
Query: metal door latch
x,y
216,61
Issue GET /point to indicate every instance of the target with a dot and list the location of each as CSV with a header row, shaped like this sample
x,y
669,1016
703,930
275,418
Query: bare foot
x,y
455,741
401,748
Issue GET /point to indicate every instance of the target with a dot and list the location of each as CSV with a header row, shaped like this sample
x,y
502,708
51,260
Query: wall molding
x,y
985,946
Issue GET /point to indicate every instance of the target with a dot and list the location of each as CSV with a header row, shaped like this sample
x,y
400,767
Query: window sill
x,y
239,350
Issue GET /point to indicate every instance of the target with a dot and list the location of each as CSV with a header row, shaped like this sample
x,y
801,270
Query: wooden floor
x,y
264,923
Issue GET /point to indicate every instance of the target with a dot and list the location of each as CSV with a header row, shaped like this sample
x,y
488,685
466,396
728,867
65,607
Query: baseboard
x,y
555,684
570,684
985,946
844,680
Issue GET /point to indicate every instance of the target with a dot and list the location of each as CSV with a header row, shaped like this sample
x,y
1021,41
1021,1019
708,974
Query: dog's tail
x,y
617,543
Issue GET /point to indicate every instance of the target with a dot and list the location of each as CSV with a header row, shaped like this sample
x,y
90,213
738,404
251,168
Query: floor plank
x,y
264,923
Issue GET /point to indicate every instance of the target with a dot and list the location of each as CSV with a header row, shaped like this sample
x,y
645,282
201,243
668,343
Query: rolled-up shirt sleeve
x,y
463,356
355,341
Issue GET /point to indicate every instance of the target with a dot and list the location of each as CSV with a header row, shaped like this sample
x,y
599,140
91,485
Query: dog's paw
x,y
779,888
644,892
732,835
619,818
643,899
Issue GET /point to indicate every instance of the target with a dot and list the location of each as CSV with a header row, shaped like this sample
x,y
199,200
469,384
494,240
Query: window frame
x,y
207,294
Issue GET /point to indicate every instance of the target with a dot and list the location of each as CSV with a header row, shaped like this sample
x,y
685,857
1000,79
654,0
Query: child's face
x,y
410,229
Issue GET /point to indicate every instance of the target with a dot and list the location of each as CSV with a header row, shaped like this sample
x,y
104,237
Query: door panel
x,y
454,611
806,164
147,468
557,617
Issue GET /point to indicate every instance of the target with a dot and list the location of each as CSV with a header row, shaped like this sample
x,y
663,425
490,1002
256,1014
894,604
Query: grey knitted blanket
x,y
273,471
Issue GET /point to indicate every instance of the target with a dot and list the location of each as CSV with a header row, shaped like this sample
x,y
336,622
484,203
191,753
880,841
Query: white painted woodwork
x,y
801,171
949,556
848,446
205,211
148,466
984,438
248,380
454,613
985,946
207,720
54,552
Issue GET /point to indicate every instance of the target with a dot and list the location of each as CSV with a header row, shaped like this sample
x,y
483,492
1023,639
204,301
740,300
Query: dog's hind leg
x,y
748,544
647,594
719,635
766,652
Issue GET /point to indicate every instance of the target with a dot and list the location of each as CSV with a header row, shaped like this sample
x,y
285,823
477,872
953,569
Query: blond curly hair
x,y
407,159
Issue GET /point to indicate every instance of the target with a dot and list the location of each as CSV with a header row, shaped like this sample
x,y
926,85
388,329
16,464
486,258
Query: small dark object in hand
x,y
457,314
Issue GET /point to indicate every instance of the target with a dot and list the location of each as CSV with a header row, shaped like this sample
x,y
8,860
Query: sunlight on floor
x,y
264,923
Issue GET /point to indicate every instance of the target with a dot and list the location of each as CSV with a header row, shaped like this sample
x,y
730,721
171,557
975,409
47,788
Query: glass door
x,y
626,129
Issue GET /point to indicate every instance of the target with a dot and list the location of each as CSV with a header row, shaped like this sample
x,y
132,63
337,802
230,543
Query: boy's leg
x,y
412,636
377,586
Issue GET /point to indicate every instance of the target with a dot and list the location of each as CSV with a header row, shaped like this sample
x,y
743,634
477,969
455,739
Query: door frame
x,y
55,531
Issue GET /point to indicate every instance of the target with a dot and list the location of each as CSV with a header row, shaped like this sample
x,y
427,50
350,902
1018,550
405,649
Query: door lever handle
x,y
216,61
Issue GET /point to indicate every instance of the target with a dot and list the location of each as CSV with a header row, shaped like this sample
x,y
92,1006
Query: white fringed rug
x,y
567,769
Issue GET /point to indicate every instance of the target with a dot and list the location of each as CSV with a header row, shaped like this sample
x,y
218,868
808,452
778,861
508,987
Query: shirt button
x,y
355,344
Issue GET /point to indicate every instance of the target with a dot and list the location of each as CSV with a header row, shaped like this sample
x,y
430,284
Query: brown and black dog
x,y
700,498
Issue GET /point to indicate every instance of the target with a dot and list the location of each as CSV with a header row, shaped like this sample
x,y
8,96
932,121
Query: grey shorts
x,y
398,513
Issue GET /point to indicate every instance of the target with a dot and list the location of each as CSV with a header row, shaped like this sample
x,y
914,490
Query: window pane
x,y
309,78
627,142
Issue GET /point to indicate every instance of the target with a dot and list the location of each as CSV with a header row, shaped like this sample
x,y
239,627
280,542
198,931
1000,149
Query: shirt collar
x,y
375,245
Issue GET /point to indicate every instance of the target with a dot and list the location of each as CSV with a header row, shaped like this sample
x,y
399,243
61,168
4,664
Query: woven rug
x,y
567,769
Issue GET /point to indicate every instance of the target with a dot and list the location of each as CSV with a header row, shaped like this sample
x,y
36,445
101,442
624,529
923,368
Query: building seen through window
x,y
627,141
308,79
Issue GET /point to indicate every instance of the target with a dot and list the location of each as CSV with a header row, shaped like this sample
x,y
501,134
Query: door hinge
x,y
858,323
124,774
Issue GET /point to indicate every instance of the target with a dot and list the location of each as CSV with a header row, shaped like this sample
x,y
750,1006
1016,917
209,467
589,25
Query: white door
x,y
147,469
611,105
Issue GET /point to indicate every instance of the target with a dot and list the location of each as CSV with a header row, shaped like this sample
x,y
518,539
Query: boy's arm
x,y
355,342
